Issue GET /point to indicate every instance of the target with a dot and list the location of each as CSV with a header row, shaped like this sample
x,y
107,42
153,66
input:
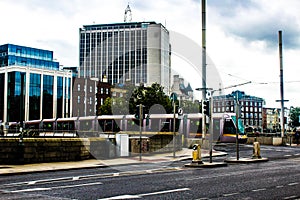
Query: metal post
x,y
174,133
237,125
203,62
211,127
22,74
141,120
281,84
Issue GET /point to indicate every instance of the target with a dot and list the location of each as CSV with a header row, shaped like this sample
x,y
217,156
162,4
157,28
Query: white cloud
x,y
241,35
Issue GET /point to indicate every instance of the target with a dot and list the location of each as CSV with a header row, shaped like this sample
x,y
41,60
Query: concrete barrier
x,y
276,141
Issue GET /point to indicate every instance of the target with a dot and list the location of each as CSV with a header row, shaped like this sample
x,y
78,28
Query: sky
x,y
241,43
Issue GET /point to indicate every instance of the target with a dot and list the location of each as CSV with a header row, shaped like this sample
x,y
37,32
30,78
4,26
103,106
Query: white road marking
x,y
146,194
230,194
279,186
30,190
287,155
291,184
31,182
75,178
290,197
258,190
57,187
79,185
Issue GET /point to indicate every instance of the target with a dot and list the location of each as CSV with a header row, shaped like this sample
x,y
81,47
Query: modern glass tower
x,y
32,86
138,52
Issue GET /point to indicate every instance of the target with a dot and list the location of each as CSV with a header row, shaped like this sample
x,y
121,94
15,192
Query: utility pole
x,y
281,85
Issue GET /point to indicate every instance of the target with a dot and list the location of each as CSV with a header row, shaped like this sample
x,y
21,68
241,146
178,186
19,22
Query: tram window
x,y
155,124
216,129
165,127
196,126
229,127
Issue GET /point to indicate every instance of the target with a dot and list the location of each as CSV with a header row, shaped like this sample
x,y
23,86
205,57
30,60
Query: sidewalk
x,y
93,163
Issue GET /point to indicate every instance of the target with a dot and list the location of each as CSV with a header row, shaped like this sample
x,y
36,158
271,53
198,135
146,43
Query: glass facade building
x,y
26,56
138,52
31,85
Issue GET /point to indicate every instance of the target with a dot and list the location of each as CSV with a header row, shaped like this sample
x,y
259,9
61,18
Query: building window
x,y
101,90
106,90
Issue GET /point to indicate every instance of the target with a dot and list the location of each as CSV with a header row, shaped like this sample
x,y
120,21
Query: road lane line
x,y
290,197
230,194
57,187
79,185
128,196
30,190
75,178
258,190
291,184
31,182
164,192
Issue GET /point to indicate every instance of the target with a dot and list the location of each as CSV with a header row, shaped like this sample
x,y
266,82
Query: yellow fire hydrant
x,y
196,154
256,150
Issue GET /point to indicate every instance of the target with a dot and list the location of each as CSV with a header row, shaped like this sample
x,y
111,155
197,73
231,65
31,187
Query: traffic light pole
x,y
237,127
141,120
174,133
211,127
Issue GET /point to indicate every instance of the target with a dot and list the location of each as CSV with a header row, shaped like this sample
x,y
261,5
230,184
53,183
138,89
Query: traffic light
x,y
137,112
147,120
206,108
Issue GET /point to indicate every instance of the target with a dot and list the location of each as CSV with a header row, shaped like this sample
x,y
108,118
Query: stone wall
x,y
37,150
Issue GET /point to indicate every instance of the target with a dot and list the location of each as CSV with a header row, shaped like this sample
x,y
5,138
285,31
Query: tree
x,y
191,107
150,96
294,117
105,109
147,96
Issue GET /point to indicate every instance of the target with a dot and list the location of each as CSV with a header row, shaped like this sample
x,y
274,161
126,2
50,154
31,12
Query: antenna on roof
x,y
128,14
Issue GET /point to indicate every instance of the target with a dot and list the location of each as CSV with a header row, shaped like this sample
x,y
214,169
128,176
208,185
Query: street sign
x,y
180,111
173,96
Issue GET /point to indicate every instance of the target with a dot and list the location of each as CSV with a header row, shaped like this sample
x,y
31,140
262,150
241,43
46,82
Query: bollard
x,y
196,155
256,150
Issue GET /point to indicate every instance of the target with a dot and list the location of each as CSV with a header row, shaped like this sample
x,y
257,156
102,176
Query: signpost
x,y
173,98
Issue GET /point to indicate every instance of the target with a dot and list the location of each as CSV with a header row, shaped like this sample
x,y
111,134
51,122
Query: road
x,y
279,178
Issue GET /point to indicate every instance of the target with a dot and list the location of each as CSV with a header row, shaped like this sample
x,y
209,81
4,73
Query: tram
x,y
189,125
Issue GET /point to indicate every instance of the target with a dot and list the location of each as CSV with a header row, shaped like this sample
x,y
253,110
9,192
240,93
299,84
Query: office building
x,y
32,86
251,107
138,52
84,96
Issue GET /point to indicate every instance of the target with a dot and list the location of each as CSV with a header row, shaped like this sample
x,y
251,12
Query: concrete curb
x,y
246,160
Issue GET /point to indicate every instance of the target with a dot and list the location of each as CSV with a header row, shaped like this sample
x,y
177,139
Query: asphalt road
x,y
279,178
